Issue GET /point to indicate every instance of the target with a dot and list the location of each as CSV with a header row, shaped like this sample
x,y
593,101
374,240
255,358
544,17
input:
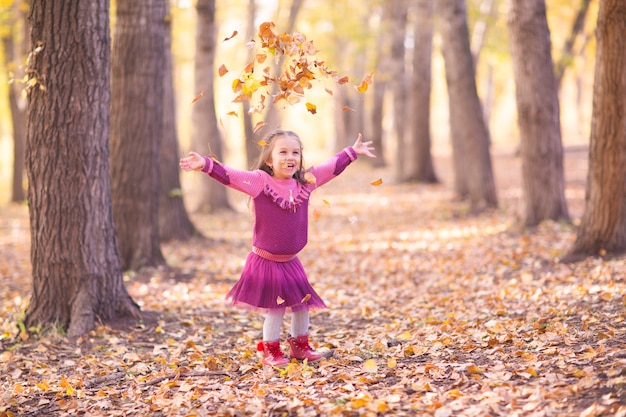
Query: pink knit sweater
x,y
280,205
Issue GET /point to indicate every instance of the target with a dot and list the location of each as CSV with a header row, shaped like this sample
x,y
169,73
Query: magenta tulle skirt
x,y
265,285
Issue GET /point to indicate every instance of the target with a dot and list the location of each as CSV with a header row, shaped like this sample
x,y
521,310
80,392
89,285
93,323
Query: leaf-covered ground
x,y
433,311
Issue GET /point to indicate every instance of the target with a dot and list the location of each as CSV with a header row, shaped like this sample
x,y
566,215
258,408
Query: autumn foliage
x,y
284,67
433,311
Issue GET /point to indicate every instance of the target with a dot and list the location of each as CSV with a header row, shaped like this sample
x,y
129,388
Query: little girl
x,y
273,280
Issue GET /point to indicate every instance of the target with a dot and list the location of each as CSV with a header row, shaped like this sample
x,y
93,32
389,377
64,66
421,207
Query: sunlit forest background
x,y
324,21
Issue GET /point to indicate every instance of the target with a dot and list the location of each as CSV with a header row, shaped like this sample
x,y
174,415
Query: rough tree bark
x,y
398,15
174,223
538,113
470,137
603,225
137,129
77,276
421,167
209,196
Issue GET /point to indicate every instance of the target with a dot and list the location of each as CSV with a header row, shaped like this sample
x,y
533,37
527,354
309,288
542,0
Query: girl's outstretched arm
x,y
193,162
363,148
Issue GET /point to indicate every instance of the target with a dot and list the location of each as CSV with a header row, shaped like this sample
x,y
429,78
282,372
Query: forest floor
x,y
432,311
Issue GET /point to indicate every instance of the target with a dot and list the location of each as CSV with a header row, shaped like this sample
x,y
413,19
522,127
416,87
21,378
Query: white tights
x,y
274,320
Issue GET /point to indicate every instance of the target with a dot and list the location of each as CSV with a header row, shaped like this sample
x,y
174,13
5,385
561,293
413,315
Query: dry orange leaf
x,y
198,97
306,298
231,36
262,143
343,80
279,300
222,70
346,108
377,182
259,126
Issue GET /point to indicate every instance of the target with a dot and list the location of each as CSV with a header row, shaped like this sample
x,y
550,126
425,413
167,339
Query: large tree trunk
x,y
137,129
205,135
603,225
421,167
470,137
398,15
77,277
537,112
174,223
383,63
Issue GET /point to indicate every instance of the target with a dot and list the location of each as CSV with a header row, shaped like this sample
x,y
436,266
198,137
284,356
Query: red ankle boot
x,y
300,349
272,355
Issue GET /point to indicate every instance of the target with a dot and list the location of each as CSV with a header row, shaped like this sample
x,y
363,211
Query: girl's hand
x,y
363,148
193,162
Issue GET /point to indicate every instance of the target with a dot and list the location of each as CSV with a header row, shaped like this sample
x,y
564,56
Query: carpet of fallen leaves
x,y
432,311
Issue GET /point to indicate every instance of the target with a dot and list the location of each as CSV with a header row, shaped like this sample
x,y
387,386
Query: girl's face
x,y
285,157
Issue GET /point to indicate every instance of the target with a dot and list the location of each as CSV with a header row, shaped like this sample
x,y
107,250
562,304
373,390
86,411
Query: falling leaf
x,y
329,91
232,113
343,80
198,97
310,178
377,182
312,108
222,70
306,298
326,203
262,143
231,36
259,126
347,109
367,80
279,300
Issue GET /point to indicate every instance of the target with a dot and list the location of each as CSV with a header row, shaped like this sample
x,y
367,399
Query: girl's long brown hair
x,y
268,147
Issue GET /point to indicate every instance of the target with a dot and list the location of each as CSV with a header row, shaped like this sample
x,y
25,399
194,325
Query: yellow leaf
x,y
326,203
392,363
377,182
579,373
312,108
43,386
306,298
262,143
405,336
531,371
370,366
